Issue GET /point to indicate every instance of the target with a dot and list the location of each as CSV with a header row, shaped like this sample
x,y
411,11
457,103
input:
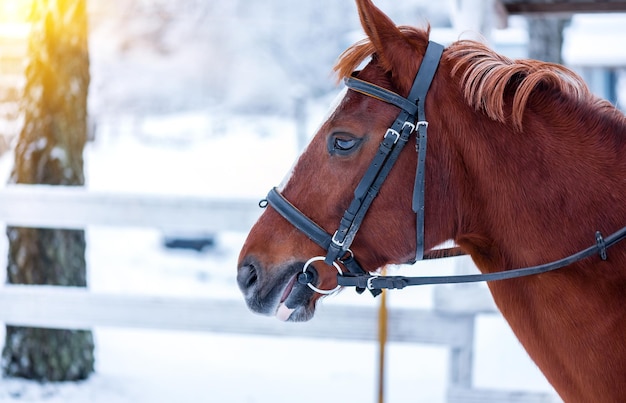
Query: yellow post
x,y
382,341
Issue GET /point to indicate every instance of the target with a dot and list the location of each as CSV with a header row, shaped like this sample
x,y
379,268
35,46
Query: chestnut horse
x,y
524,165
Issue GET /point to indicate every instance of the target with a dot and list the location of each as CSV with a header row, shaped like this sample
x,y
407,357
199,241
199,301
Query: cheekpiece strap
x,y
411,117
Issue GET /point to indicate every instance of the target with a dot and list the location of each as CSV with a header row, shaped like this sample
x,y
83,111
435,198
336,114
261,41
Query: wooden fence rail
x,y
45,206
79,308
73,307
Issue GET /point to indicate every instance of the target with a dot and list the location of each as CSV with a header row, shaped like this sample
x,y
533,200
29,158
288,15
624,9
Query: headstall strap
x,y
397,136
411,119
420,87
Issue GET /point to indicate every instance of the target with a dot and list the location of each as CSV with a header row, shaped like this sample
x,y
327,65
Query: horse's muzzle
x,y
276,294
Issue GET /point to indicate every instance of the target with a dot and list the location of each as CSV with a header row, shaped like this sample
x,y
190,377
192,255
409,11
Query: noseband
x,y
411,120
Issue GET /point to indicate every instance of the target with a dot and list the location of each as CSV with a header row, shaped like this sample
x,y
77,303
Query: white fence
x,y
451,325
75,207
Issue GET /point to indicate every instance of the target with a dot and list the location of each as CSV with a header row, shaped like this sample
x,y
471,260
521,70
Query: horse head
x,y
322,182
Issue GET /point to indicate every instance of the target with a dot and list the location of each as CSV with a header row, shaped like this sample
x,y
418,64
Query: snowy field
x,y
166,155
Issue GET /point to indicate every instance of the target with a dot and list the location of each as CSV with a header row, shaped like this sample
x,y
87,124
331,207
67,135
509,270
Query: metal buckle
x,y
370,286
395,133
333,240
421,123
410,125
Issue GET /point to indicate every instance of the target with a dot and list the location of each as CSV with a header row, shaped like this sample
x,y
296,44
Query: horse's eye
x,y
343,144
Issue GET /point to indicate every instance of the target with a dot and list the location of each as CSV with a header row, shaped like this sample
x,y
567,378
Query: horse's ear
x,y
390,43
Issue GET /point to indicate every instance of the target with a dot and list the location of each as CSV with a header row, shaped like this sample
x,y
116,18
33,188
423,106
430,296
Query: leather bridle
x,y
411,120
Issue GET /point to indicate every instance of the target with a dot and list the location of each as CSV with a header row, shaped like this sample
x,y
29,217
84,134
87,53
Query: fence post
x,y
461,362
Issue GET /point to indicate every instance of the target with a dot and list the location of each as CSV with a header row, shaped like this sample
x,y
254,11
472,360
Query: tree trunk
x,y
546,38
50,151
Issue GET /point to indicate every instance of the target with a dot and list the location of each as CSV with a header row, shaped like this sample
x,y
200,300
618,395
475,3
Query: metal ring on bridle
x,y
314,288
350,255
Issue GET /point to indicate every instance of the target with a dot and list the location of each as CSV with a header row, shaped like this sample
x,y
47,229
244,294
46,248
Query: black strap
x,y
369,186
419,189
366,191
313,231
388,152
396,137
391,282
380,93
421,87
291,213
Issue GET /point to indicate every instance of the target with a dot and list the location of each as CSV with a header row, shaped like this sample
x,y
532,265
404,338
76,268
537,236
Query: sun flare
x,y
14,17
15,11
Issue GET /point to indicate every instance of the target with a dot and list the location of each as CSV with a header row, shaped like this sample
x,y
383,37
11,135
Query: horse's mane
x,y
487,77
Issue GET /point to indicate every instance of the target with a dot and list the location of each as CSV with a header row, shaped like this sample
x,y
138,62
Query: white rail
x,y
76,207
78,308
42,206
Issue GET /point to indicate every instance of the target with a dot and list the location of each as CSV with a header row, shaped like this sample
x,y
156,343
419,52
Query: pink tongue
x,y
288,289
283,313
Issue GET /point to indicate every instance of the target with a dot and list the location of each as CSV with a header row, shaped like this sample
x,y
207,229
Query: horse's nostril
x,y
247,276
252,278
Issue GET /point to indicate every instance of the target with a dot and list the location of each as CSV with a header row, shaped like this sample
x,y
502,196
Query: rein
x,y
411,120
375,282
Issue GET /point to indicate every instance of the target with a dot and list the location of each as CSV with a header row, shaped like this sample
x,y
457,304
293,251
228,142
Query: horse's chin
x,y
301,313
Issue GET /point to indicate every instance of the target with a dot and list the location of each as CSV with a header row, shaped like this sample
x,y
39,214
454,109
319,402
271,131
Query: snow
x,y
185,367
191,153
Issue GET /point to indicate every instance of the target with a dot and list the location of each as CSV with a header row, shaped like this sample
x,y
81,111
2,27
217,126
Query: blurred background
x,y
213,100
